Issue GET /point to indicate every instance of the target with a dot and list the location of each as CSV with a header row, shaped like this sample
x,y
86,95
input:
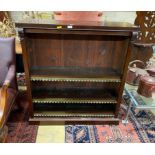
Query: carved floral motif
x,y
146,21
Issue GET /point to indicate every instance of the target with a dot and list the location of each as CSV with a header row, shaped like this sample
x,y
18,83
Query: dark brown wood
x,y
75,60
26,69
128,48
146,21
77,31
78,120
76,25
146,37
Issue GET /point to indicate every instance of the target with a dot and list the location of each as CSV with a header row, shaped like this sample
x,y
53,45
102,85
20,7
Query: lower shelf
x,y
72,114
113,121
104,118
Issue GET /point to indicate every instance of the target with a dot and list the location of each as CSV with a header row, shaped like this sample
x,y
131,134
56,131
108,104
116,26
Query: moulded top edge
x,y
37,23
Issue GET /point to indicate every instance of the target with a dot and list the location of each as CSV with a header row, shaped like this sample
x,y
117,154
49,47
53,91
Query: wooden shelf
x,y
64,114
104,93
66,79
75,74
71,92
74,112
103,120
74,100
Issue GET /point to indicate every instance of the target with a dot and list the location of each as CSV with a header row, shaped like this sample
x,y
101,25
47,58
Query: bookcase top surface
x,y
53,24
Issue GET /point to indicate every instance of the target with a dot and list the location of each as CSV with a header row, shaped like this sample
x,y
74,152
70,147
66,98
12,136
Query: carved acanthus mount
x,y
146,21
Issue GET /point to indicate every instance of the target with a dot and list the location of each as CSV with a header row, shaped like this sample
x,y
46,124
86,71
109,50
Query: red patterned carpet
x,y
102,134
140,129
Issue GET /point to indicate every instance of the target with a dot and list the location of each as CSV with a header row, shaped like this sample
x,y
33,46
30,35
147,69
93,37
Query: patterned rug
x,y
140,129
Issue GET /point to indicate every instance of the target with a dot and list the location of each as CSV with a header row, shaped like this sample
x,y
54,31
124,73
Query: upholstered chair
x,y
8,82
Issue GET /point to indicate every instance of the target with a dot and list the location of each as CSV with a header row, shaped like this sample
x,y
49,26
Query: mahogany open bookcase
x,y
75,71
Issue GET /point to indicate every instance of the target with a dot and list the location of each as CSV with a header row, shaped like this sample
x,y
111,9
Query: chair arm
x,y
3,104
11,74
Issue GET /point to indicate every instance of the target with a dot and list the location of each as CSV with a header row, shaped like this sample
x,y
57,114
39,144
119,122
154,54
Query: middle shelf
x,y
74,100
74,92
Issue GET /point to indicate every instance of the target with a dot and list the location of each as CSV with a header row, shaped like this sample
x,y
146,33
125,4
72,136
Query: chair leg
x,y
3,134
